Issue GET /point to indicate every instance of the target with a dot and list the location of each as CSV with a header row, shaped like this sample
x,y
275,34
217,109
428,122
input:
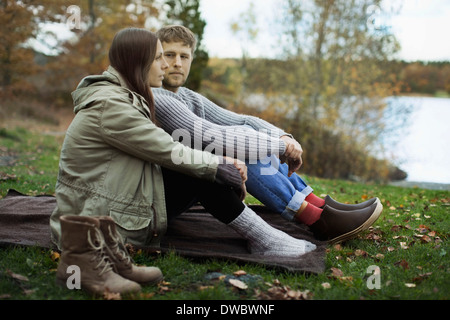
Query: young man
x,y
187,114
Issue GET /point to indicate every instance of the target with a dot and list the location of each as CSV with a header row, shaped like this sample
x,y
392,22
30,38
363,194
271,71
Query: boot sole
x,y
346,236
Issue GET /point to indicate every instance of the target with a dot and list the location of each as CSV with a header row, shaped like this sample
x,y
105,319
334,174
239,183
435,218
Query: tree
x,y
87,52
245,27
19,22
332,80
187,13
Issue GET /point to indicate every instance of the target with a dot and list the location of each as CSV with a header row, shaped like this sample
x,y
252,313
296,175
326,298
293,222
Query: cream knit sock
x,y
264,239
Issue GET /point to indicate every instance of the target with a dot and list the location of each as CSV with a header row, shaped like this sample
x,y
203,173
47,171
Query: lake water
x,y
423,148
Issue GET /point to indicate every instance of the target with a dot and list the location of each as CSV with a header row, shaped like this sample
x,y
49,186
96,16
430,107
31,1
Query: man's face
x,y
179,57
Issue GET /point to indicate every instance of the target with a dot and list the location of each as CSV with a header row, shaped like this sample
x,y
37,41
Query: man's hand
x,y
292,155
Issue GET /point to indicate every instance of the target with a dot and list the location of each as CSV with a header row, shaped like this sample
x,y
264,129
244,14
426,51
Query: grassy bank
x,y
408,245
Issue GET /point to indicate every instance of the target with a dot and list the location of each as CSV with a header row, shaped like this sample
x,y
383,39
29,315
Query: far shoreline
x,y
421,185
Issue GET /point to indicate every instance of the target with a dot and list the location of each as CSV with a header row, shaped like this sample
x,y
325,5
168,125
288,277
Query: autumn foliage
x,y
326,87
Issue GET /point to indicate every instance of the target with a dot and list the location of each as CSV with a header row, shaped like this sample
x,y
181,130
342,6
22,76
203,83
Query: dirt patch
x,y
35,116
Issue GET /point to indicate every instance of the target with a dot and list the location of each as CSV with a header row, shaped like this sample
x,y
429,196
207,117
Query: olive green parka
x,y
111,161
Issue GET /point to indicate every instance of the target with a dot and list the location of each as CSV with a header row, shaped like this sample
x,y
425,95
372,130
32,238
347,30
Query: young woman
x,y
115,160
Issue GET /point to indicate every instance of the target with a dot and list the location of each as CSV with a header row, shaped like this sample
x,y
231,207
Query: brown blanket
x,y
24,220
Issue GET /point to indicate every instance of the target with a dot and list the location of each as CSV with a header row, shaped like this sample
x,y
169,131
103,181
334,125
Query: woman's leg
x,y
223,203
183,191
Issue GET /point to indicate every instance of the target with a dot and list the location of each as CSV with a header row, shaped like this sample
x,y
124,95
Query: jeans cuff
x,y
307,191
294,205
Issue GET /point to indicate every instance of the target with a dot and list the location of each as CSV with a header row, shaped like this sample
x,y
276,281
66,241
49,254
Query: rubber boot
x,y
83,246
123,263
349,207
336,226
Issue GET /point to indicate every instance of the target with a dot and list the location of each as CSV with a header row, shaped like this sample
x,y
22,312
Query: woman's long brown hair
x,y
132,53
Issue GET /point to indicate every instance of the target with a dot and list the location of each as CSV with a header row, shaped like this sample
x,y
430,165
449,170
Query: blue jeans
x,y
268,182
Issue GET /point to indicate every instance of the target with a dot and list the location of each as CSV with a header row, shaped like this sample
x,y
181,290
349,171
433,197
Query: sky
x,y
421,26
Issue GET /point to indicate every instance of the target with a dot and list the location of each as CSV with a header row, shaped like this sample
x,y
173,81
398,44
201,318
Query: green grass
x,y
409,244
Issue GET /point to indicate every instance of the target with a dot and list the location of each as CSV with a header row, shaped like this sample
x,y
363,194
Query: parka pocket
x,y
133,228
130,221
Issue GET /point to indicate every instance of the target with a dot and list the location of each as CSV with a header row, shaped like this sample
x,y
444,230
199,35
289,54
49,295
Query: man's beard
x,y
169,86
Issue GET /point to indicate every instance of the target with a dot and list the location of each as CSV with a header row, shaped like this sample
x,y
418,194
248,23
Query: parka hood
x,y
92,88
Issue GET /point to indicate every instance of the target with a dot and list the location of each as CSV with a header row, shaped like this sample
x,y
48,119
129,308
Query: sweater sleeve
x,y
216,114
235,141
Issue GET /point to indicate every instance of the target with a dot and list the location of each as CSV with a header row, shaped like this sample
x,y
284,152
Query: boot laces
x,y
118,249
97,244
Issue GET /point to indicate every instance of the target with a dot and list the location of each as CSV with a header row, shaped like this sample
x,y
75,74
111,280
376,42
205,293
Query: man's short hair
x,y
177,33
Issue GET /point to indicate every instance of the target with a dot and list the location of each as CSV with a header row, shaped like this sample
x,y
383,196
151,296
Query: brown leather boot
x,y
123,263
349,207
335,225
83,245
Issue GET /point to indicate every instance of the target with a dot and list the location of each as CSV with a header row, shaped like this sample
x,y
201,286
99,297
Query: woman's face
x,y
158,68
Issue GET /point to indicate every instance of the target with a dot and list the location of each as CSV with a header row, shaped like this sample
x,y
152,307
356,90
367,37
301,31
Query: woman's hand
x,y
242,168
292,155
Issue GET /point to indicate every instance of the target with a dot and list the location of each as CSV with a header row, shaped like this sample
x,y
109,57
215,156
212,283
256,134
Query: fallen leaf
x,y
163,286
423,229
422,277
359,252
147,295
347,278
294,294
337,273
238,284
410,285
16,276
7,176
279,292
403,245
326,285
27,292
379,256
108,295
55,256
403,263
239,273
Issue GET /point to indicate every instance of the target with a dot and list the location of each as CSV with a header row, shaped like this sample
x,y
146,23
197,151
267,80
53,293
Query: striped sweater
x,y
199,123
